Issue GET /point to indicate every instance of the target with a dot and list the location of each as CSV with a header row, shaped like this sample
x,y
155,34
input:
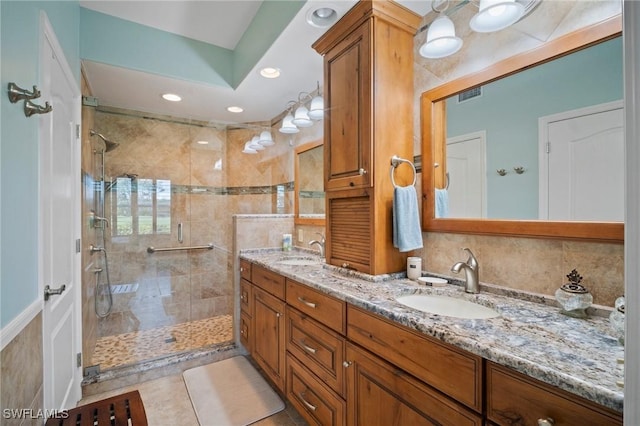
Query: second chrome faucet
x,y
470,267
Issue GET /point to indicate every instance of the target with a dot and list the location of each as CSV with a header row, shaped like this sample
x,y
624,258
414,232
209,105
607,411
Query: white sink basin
x,y
299,261
448,306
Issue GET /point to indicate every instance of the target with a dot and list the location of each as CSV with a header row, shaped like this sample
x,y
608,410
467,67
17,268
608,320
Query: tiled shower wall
x,y
536,265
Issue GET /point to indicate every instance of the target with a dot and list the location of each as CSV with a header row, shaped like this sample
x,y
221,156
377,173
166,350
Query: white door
x,y
466,168
59,225
582,173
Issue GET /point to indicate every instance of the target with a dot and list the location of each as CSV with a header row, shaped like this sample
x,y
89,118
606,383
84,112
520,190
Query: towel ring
x,y
395,162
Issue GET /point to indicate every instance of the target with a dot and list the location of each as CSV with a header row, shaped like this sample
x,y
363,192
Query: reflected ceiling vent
x,y
470,94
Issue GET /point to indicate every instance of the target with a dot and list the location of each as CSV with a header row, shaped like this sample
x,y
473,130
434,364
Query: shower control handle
x,y
180,232
48,291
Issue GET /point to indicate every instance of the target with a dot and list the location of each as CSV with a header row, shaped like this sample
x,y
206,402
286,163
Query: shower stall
x,y
158,276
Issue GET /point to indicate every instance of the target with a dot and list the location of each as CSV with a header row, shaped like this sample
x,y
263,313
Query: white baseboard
x,y
11,330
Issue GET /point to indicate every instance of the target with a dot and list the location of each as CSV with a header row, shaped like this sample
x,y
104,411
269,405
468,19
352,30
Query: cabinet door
x,y
350,230
348,125
269,335
380,394
246,331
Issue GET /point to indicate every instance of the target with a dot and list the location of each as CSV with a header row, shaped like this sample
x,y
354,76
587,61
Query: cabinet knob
x,y
345,265
278,314
546,422
352,184
346,364
362,171
241,269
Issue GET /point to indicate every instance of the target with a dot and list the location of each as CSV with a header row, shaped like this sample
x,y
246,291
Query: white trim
x,y
11,330
543,138
631,17
482,136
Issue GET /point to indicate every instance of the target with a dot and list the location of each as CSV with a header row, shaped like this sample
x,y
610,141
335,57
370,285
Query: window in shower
x,y
143,206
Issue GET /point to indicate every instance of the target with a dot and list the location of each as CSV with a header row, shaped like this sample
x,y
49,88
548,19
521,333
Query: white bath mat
x,y
230,393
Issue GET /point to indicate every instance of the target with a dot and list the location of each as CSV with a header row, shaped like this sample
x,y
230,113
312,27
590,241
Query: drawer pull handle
x,y
309,304
307,348
546,422
307,403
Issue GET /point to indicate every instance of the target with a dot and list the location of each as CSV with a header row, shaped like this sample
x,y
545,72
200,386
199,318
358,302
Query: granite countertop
x,y
530,335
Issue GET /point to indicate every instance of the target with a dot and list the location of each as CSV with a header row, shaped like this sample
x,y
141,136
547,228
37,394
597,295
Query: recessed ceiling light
x,y
234,109
203,142
322,16
171,97
270,72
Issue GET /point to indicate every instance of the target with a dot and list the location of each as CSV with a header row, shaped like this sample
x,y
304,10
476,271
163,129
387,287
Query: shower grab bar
x,y
155,250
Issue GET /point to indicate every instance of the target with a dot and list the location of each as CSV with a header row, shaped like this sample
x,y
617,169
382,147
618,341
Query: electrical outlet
x,y
300,236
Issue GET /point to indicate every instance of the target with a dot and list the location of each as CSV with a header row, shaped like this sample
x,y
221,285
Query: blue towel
x,y
407,234
442,203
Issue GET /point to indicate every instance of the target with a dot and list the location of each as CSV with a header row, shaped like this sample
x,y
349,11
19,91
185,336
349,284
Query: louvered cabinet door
x,y
350,233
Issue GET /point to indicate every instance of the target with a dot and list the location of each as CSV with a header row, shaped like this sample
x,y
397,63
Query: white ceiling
x,y
221,23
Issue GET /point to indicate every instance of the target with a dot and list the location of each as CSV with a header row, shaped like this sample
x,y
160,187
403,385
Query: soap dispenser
x,y
616,319
573,297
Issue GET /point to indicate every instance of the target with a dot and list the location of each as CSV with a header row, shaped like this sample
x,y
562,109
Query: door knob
x,y
48,291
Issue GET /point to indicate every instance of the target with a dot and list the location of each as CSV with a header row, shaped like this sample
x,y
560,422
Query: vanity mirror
x,y
501,212
309,184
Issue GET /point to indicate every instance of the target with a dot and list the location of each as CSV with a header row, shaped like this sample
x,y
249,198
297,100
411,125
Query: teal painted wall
x,y
19,57
114,41
509,109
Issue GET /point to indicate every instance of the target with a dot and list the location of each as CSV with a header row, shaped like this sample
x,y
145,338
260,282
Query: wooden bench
x,y
125,409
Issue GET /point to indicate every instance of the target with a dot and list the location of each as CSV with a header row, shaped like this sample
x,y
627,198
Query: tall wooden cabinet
x,y
368,72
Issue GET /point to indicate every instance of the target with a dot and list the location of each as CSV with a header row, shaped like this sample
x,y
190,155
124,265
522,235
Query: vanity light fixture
x,y
255,144
171,97
270,72
235,109
495,15
316,109
301,117
441,39
287,122
248,150
265,138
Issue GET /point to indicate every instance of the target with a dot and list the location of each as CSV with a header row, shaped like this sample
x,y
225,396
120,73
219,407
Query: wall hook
x,y
30,108
17,93
501,172
519,170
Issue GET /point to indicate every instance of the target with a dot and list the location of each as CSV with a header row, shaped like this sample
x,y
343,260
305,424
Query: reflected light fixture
x,y
270,72
235,109
171,97
254,144
248,150
495,15
441,39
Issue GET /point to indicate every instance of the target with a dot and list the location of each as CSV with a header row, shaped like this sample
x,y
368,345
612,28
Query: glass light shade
x,y
248,150
495,15
441,39
265,138
301,118
316,109
287,125
254,144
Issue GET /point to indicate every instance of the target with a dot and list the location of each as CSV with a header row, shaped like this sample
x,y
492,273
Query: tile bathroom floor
x,y
133,347
166,402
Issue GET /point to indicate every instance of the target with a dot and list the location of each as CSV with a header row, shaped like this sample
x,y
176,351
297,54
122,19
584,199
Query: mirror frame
x,y
433,128
296,186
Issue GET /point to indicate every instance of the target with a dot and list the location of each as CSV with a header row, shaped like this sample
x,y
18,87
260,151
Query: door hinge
x,y
77,131
548,147
79,359
78,245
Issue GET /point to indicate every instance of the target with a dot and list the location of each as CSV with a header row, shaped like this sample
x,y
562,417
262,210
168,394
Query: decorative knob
x,y
362,171
278,314
345,265
546,422
346,364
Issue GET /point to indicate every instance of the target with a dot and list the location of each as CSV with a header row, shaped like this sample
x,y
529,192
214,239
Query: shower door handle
x,y
180,232
48,291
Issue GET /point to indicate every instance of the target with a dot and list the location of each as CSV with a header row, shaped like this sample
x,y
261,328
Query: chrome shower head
x,y
109,146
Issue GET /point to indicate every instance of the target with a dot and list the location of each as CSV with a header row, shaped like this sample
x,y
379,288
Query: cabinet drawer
x,y
326,309
514,398
318,348
453,371
269,281
245,269
245,331
246,297
313,400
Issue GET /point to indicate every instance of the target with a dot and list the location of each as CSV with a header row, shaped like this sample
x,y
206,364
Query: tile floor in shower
x,y
137,346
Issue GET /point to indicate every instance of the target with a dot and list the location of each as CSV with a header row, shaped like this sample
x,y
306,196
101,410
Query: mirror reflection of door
x,y
582,173
466,165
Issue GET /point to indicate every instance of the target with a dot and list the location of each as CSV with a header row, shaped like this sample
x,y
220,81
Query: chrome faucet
x,y
320,243
472,284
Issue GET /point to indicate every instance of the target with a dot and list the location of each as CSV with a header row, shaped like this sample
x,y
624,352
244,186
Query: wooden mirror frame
x,y
296,186
433,122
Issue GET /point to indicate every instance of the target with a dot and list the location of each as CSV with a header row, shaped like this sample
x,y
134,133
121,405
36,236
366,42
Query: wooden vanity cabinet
x,y
368,74
269,335
246,314
516,399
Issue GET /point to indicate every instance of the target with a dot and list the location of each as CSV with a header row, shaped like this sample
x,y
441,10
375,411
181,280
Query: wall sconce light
x,y
495,15
287,122
316,109
248,150
265,138
301,117
441,39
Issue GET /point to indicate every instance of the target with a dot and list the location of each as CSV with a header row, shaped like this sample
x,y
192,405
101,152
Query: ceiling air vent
x,y
470,94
